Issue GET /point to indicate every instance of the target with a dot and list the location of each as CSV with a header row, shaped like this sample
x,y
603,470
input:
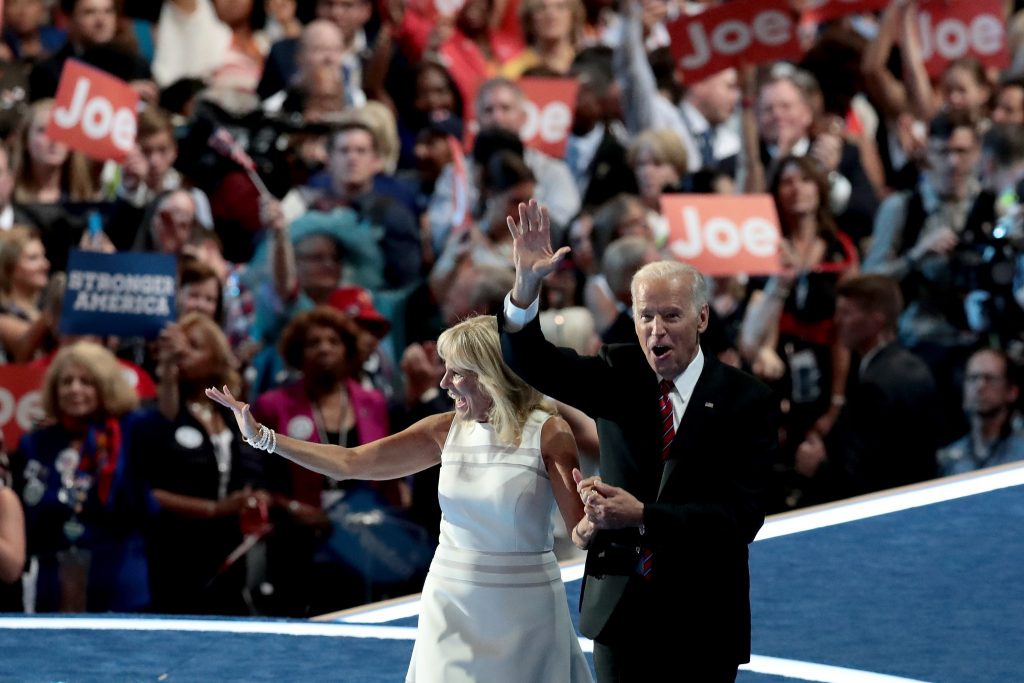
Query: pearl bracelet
x,y
265,439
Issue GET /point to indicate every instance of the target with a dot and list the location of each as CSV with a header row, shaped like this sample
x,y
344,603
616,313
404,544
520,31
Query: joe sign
x,y
94,112
951,30
723,235
752,31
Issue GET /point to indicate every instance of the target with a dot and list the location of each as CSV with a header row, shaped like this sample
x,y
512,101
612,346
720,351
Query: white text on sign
x,y
722,238
97,117
769,27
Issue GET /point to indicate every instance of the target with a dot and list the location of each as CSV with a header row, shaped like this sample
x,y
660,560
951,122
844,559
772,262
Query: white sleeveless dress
x,y
493,607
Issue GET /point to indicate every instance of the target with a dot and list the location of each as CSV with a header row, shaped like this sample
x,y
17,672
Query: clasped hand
x,y
606,506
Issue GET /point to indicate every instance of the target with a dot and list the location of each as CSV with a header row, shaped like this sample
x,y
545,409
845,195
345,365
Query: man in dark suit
x,y
887,432
92,25
686,447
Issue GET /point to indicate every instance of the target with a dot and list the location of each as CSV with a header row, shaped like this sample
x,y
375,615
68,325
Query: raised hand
x,y
531,251
247,424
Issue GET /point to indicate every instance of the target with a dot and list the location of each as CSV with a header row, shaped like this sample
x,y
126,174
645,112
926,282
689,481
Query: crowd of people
x,y
890,339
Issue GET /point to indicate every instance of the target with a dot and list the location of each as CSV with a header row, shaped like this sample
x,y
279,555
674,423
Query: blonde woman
x,y
506,461
25,328
81,504
553,31
46,171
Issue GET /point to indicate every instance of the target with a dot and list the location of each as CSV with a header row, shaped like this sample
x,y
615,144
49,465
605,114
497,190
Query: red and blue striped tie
x,y
668,432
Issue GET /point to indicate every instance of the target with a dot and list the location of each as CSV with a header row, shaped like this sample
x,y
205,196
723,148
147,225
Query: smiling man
x,y
686,446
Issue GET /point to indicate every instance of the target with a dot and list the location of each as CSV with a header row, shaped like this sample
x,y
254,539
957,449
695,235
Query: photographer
x,y
929,240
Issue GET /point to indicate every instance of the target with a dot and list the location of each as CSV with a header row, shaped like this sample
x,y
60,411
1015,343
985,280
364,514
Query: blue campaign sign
x,y
127,294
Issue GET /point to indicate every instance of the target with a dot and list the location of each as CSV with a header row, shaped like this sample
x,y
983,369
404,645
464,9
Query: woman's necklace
x,y
203,411
321,428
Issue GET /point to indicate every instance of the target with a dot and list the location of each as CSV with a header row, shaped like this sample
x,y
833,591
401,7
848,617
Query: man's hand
x,y
531,251
611,507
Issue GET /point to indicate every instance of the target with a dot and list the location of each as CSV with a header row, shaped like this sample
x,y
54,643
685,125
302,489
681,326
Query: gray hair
x,y
669,270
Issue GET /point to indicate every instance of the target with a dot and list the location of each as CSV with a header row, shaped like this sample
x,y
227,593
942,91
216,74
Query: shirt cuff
x,y
517,318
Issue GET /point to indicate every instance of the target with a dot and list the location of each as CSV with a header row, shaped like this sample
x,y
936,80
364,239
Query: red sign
x,y
432,9
750,31
550,107
724,234
20,401
818,11
94,112
951,30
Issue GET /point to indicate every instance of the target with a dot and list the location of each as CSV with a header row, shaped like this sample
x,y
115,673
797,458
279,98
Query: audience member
x,y
991,395
26,327
92,27
887,430
83,506
205,480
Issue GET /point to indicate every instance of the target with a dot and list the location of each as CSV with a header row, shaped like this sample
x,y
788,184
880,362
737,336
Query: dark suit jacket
x,y
703,506
45,75
609,173
887,433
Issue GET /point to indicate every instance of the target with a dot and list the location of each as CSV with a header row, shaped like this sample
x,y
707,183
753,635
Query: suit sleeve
x,y
561,373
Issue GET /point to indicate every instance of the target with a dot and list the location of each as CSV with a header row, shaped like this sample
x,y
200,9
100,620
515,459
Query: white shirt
x,y
684,384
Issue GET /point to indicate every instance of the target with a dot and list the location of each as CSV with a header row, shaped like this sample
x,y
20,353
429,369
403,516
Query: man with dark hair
x,y
92,25
354,160
595,151
996,436
1009,106
887,431
934,242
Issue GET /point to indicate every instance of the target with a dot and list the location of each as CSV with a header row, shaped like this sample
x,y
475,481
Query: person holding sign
x,y
686,445
493,605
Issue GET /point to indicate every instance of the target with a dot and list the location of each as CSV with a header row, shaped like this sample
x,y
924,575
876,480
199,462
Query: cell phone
x,y
95,225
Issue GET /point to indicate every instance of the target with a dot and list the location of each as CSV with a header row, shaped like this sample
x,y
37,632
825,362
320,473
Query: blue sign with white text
x,y
127,294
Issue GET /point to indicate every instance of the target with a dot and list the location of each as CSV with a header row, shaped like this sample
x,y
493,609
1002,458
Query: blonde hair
x,y
225,361
379,119
473,345
12,244
664,145
579,20
116,395
76,179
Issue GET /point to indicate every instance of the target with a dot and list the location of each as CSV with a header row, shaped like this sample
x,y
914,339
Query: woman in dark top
x,y
787,336
83,507
204,479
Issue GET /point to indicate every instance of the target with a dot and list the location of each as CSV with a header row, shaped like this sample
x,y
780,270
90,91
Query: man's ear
x,y
704,315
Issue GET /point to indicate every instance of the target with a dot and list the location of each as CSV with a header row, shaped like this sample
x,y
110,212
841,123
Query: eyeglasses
x,y
987,378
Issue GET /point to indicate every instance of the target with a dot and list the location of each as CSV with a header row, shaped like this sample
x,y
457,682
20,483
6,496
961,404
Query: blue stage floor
x,y
921,584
